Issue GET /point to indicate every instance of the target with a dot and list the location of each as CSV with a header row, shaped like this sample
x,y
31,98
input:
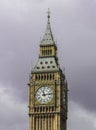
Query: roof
x,y
48,36
46,65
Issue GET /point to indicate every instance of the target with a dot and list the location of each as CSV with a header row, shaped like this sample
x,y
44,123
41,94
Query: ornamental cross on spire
x,y
48,14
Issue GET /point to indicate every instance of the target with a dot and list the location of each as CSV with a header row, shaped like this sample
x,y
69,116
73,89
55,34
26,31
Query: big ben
x,y
48,98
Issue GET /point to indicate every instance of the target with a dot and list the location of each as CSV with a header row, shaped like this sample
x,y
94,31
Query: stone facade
x,y
48,98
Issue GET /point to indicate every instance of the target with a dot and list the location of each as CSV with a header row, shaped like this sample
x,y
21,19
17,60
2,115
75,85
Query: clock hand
x,y
43,93
48,94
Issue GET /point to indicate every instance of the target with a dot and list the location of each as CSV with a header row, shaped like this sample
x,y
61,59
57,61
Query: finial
x,y
48,14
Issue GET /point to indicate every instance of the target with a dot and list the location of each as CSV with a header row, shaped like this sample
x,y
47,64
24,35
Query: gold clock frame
x,y
50,103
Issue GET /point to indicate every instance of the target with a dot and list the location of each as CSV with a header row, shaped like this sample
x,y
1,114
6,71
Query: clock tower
x,y
48,99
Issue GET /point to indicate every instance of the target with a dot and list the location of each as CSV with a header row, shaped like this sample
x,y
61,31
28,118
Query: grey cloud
x,y
83,87
79,118
13,113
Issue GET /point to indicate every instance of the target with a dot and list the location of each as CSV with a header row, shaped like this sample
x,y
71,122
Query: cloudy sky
x,y
22,25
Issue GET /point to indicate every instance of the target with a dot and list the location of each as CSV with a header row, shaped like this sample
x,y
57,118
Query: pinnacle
x,y
48,36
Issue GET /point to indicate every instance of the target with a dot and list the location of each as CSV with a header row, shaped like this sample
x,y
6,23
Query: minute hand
x,y
48,94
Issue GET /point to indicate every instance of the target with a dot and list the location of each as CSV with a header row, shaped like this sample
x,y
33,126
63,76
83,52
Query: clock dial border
x,y
51,102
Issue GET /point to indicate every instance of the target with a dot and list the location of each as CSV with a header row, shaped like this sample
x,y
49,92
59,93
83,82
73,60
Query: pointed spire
x,y
48,15
48,36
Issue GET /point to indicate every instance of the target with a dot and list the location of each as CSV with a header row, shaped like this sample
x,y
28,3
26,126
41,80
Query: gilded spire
x,y
48,36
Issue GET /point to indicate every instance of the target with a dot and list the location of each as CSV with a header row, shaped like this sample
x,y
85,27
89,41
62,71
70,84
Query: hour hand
x,y
43,94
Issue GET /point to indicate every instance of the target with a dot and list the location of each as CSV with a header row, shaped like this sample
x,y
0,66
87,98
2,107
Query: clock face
x,y
44,95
